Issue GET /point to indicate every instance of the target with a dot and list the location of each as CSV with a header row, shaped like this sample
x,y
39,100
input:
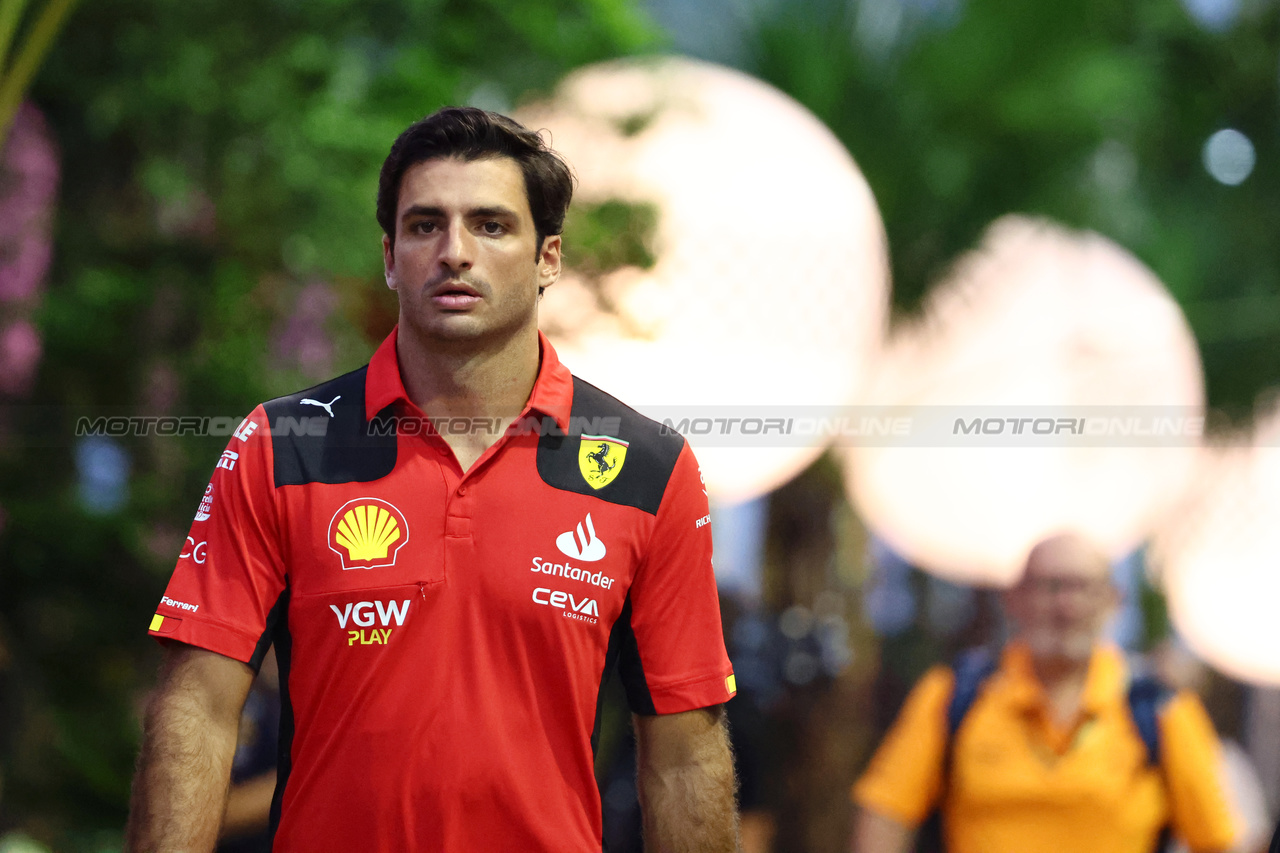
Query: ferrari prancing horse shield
x,y
600,459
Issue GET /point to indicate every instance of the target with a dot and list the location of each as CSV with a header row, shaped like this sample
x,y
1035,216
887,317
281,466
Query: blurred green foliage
x,y
612,234
20,58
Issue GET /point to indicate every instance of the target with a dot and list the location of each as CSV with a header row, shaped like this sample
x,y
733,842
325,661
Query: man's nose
x,y
458,251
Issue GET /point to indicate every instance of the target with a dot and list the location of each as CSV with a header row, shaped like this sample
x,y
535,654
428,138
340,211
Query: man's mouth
x,y
455,295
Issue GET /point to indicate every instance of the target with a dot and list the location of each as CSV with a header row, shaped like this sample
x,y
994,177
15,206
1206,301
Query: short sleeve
x,y
904,778
1191,760
229,578
674,611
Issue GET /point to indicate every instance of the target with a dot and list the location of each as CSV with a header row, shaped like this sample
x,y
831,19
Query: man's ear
x,y
389,261
549,262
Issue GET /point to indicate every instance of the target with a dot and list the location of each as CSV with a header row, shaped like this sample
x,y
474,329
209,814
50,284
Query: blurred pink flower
x,y
162,389
302,339
20,350
190,215
28,192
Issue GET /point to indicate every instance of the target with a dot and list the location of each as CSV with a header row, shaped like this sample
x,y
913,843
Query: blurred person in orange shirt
x,y
1046,749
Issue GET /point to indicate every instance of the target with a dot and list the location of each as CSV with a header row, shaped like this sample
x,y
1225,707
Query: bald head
x,y
1067,555
1061,605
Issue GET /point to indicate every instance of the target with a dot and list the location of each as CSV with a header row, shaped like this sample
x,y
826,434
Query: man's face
x,y
466,263
1061,605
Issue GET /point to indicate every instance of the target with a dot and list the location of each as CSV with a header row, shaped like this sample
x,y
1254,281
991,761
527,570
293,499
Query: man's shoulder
x,y
341,393
610,451
594,408
320,435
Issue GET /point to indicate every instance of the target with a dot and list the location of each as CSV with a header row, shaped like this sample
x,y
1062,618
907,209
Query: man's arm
x,y
686,783
877,833
188,742
904,781
1190,758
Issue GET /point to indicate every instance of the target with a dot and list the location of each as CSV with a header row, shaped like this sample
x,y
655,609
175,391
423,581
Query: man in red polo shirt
x,y
448,549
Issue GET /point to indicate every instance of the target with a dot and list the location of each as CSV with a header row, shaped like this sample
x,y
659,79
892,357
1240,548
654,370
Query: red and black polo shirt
x,y
443,636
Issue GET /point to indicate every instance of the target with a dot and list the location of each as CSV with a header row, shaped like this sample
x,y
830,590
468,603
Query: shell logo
x,y
367,533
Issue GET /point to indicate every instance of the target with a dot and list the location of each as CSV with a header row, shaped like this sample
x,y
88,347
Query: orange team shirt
x,y
1019,782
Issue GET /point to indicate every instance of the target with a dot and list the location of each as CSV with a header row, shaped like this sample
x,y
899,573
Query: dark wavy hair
x,y
473,134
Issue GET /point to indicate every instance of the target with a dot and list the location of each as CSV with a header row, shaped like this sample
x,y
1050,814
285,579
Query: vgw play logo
x,y
373,620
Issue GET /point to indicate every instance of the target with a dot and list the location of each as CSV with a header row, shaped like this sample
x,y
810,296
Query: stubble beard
x,y
464,330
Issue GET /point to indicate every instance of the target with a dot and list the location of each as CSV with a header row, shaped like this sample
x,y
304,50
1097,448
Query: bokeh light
x,y
29,177
1218,557
768,278
1229,157
1216,16
1038,319
103,468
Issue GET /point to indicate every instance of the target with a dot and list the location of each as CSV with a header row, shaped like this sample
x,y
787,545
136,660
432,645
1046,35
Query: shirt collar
x,y
1103,686
552,390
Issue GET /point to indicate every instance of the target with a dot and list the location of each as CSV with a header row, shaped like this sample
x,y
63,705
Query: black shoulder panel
x,y
652,451
320,435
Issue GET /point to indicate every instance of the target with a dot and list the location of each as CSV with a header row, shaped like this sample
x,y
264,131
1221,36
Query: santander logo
x,y
579,545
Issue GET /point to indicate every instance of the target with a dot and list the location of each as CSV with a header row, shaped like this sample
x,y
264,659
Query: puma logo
x,y
307,401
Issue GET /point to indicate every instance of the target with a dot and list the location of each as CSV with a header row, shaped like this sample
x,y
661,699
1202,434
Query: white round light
x,y
1039,321
1218,558
770,281
1229,157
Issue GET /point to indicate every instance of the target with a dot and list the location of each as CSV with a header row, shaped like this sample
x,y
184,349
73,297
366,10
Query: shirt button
x,y
462,491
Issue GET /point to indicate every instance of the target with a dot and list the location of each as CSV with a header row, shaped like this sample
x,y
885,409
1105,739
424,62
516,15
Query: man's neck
x,y
487,383
1063,680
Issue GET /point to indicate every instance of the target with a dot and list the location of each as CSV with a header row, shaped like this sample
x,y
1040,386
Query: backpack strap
x,y
1147,697
972,668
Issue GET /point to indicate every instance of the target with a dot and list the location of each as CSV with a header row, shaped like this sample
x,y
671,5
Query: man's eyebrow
x,y
421,210
496,211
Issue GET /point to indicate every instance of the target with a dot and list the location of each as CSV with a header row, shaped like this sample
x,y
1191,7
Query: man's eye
x,y
424,227
493,228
